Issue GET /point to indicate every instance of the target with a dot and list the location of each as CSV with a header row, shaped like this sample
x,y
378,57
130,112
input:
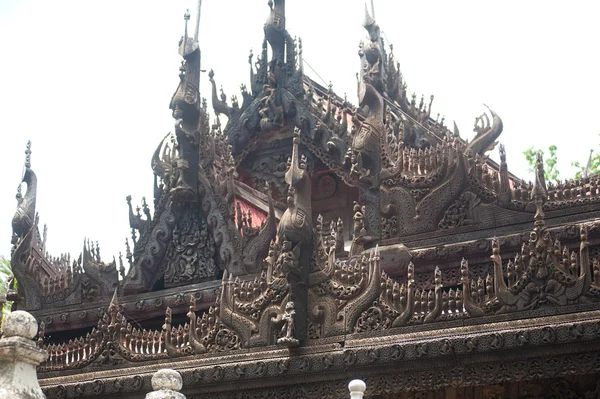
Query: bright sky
x,y
89,82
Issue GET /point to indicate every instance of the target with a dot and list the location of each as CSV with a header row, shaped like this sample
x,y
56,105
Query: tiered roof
x,y
312,238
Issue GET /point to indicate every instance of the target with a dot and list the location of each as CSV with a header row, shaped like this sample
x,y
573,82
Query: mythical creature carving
x,y
295,226
24,218
341,290
366,143
186,108
413,215
25,256
296,223
486,134
372,54
256,245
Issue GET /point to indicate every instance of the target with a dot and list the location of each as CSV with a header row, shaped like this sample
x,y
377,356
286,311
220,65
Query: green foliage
x,y
5,274
594,165
551,171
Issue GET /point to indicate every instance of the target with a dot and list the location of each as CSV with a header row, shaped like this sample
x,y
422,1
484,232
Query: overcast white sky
x,y
89,82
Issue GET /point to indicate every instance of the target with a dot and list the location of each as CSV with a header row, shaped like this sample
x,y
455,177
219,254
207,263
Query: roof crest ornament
x,y
24,217
539,192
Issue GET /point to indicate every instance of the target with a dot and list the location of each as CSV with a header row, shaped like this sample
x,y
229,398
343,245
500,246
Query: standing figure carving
x,y
287,331
295,226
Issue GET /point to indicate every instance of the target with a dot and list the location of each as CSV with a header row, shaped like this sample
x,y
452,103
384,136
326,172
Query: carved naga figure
x,y
257,248
296,223
295,226
486,135
186,109
24,218
366,160
372,54
26,251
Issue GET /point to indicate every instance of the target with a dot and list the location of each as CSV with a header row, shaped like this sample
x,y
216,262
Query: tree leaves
x,y
551,171
5,274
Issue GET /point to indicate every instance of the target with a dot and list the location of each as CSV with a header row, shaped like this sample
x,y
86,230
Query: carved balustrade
x,y
346,295
115,338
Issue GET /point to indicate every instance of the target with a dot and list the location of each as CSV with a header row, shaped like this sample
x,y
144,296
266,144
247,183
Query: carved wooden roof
x,y
310,239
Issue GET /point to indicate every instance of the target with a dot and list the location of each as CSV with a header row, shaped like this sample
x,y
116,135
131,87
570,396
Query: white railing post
x,y
19,356
357,389
166,384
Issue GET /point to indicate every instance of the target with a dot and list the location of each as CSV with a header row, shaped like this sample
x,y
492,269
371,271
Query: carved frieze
x,y
191,253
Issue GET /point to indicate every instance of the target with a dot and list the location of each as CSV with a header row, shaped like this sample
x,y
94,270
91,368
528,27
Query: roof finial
x,y
539,193
28,155
588,166
197,20
186,17
369,20
114,302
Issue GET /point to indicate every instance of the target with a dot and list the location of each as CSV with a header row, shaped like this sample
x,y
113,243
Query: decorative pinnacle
x,y
357,389
167,380
369,20
114,302
20,324
28,155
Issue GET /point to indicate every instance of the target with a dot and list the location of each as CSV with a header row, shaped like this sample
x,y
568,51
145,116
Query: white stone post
x,y
166,384
357,389
19,356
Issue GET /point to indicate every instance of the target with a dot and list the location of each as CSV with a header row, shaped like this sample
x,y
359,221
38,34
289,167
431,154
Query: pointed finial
x,y
197,30
588,166
502,151
369,20
28,155
121,267
539,187
114,303
539,193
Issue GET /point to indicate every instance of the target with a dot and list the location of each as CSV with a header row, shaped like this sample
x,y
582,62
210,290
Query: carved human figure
x,y
359,227
288,329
